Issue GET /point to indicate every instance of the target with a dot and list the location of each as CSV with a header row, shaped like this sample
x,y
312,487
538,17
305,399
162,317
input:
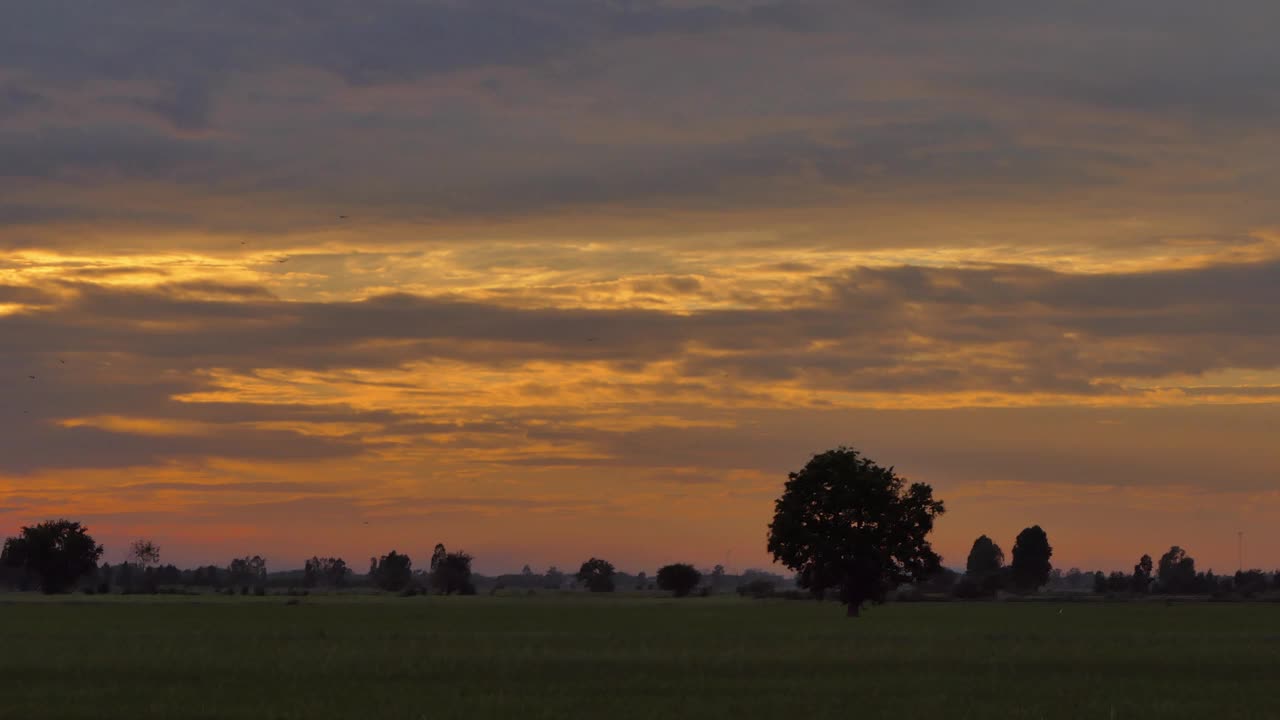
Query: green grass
x,y
631,658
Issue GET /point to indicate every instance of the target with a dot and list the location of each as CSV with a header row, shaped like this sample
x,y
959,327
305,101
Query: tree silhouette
x,y
680,579
248,572
1031,553
394,572
1177,571
984,567
144,552
58,552
451,572
146,555
596,575
1142,575
985,557
843,521
324,571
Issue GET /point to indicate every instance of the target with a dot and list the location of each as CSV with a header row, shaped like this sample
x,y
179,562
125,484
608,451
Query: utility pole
x,y
1240,550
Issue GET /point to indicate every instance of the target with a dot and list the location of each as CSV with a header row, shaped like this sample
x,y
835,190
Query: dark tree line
x,y
843,525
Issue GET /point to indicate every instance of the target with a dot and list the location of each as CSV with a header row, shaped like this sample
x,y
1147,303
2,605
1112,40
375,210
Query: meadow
x,y
614,657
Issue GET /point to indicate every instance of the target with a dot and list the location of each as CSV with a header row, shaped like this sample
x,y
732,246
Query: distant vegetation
x,y
847,527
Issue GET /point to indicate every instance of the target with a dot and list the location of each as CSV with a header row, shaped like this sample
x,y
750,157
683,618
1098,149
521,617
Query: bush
x,y
680,579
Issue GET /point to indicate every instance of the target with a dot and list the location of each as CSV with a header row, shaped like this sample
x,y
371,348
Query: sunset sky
x,y
609,270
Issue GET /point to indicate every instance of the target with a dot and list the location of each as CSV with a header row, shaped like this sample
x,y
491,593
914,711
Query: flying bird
x,y
33,377
342,217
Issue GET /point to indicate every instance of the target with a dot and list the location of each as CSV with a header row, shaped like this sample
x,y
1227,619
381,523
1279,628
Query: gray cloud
x,y
1000,329
121,352
514,109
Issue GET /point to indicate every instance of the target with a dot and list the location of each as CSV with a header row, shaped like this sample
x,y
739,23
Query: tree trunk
x,y
851,609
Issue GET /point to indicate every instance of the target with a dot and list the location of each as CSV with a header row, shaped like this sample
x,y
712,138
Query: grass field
x,y
631,658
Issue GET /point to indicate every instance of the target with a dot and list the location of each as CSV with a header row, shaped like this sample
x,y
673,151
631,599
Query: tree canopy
x,y
451,572
1142,575
58,552
325,571
393,572
1177,571
985,558
1031,553
845,522
680,579
596,575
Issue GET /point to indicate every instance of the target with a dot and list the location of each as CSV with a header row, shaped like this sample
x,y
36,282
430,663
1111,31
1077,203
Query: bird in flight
x,y
282,260
33,377
342,217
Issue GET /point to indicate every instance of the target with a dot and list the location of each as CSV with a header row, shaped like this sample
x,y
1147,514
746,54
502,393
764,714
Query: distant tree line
x,y
61,556
845,526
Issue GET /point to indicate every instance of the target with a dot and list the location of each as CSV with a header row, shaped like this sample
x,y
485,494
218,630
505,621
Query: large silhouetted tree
x,y
1031,552
394,572
845,522
596,575
1177,571
437,556
680,579
984,569
451,572
58,553
985,557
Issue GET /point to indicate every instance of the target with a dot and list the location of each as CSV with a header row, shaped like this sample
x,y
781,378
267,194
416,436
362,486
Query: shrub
x,y
680,579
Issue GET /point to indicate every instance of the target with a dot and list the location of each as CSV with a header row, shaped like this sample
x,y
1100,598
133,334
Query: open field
x,y
587,657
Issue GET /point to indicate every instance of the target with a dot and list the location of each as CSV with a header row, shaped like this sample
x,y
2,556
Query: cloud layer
x,y
559,275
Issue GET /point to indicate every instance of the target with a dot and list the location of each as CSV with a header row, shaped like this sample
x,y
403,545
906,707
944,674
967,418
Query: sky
x,y
570,278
